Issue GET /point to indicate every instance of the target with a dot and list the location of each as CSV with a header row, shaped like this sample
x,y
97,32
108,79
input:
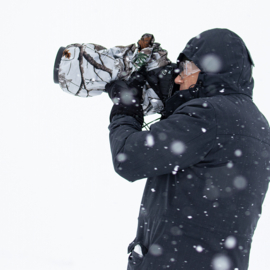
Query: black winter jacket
x,y
207,164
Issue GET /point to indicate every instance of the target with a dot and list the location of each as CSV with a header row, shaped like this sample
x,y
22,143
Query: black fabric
x,y
56,64
136,112
207,164
178,99
127,97
161,80
224,59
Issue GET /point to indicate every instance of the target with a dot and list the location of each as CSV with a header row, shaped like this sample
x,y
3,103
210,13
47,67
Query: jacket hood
x,y
224,61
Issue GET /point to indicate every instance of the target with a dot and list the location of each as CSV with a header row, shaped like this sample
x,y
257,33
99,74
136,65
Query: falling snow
x,y
177,147
155,250
229,165
240,182
199,248
221,262
211,63
150,140
230,242
238,153
121,157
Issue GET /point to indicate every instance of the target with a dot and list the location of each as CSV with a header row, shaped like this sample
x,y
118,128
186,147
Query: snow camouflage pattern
x,y
207,165
85,69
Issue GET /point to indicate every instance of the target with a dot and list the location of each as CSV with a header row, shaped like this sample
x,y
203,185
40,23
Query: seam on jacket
x,y
202,134
234,134
154,159
190,223
176,113
216,229
213,142
122,149
121,116
238,83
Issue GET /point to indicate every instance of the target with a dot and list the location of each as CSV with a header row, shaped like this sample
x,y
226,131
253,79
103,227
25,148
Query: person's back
x,y
210,209
207,164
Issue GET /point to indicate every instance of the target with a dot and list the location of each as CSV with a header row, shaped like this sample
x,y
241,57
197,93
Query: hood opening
x,y
224,60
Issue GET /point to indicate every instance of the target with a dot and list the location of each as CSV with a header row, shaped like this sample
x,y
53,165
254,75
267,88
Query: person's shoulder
x,y
198,108
200,103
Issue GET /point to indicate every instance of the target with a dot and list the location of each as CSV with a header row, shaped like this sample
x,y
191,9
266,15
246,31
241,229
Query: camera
x,y
84,69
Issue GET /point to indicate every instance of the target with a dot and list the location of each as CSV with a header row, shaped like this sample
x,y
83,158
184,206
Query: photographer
x,y
207,160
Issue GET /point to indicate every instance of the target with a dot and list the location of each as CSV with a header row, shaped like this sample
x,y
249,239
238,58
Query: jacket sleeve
x,y
180,141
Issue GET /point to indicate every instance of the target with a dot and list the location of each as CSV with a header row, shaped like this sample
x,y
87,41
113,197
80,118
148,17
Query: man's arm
x,y
182,140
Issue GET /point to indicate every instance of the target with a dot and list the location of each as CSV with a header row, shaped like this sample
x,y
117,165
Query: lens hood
x,y
56,64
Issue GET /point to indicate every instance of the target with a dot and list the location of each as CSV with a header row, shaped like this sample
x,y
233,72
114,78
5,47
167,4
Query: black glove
x,y
127,96
161,81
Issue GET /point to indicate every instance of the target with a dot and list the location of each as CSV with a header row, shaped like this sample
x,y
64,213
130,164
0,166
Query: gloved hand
x,y
161,80
127,96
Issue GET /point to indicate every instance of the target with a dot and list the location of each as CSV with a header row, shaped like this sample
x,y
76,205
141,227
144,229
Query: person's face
x,y
187,80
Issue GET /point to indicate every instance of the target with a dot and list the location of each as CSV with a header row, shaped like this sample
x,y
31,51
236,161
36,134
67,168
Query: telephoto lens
x,y
84,70
56,64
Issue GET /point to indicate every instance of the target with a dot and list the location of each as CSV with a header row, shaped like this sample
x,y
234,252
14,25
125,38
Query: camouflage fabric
x,y
86,68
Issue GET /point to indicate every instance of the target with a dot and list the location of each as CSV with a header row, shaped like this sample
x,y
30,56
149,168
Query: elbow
x,y
128,173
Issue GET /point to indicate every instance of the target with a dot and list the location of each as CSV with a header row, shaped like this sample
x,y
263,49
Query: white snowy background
x,y
62,206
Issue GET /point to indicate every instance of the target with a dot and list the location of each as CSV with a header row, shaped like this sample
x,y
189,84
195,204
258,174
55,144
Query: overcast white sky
x,y
62,206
